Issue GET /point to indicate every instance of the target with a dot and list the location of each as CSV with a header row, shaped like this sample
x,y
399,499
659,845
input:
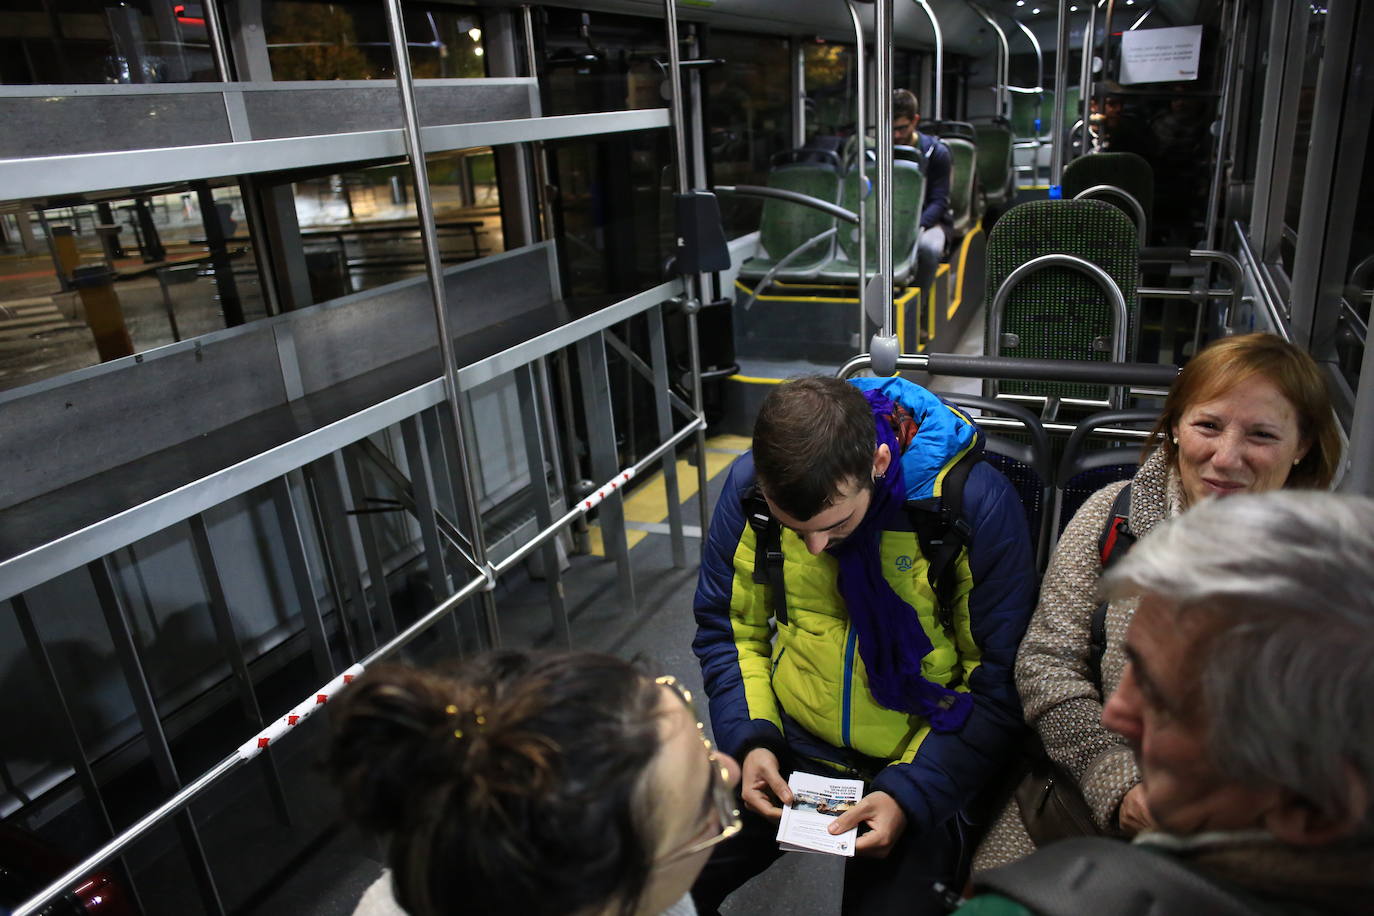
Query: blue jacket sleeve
x,y
734,628
936,210
948,770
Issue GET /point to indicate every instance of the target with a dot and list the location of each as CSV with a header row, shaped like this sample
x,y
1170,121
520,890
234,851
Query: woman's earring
x,y
1297,461
1175,440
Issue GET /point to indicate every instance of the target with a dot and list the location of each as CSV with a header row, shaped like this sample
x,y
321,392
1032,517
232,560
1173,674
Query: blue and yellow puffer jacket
x,y
802,685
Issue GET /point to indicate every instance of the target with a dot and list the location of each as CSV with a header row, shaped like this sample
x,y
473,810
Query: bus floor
x,y
320,865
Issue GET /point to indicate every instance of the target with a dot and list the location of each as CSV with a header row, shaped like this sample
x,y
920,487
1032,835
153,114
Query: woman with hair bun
x,y
537,784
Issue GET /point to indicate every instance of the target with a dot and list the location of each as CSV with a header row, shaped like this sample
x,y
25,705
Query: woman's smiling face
x,y
1244,440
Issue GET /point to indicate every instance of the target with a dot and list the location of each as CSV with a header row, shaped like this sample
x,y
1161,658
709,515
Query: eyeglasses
x,y
721,797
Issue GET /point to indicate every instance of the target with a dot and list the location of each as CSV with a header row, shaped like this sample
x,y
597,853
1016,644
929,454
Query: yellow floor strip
x,y
649,501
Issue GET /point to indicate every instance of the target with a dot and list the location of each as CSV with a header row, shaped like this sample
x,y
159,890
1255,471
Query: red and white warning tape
x,y
260,742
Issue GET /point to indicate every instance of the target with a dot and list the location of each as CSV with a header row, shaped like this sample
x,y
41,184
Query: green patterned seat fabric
x,y
962,176
785,225
1057,312
908,195
1126,171
995,162
1023,114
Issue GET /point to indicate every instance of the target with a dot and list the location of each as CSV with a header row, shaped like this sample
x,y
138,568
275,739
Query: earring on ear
x,y
1297,461
1175,440
879,478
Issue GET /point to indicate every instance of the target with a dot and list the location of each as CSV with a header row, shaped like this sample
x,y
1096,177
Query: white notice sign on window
x,y
1160,55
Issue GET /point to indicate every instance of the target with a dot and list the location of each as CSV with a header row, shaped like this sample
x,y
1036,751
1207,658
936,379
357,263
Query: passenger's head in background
x,y
1249,414
1251,667
528,783
816,454
906,114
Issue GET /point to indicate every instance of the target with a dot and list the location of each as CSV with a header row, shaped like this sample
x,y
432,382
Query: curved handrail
x,y
1088,371
1101,190
1040,440
787,259
1085,427
796,197
1120,318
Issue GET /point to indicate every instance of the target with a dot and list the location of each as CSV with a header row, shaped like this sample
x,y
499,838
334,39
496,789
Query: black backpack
x,y
938,522
1095,875
1113,543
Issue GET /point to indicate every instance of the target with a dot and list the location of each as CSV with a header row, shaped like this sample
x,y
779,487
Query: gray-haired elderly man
x,y
1249,701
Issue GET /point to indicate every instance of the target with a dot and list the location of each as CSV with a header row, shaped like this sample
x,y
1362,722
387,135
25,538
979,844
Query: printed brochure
x,y
817,801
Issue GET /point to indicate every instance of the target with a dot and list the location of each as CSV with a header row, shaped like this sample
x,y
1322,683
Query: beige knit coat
x,y
1058,694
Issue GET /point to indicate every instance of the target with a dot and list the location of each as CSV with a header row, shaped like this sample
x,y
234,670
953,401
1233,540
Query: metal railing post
x,y
860,91
691,298
1061,85
938,107
424,204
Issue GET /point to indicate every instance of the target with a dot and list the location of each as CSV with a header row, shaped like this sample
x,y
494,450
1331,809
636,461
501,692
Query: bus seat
x,y
1024,458
1092,459
963,181
1127,171
785,226
1059,312
908,194
995,172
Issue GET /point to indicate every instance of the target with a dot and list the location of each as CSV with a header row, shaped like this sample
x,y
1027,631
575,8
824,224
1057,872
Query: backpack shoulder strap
x,y
1112,544
1117,537
943,531
767,549
1097,875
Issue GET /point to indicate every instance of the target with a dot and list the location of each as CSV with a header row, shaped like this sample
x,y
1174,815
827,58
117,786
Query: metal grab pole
x,y
1061,86
434,267
1085,81
214,31
937,109
882,47
1003,58
541,164
861,87
692,302
1219,164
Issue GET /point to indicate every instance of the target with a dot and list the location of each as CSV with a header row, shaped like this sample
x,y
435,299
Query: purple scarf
x,y
892,641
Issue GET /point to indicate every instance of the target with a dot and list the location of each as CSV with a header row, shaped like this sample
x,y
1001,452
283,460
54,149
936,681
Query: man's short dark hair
x,y
813,436
904,104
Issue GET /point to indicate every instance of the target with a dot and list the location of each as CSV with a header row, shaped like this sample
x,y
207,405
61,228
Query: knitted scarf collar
x,y
892,641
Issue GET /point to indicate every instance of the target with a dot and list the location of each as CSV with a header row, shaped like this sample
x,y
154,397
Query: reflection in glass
x,y
748,117
134,41
1302,126
315,40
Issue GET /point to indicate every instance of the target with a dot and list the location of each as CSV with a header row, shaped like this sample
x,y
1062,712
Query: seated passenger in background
x,y
857,668
1246,702
1246,415
531,784
937,221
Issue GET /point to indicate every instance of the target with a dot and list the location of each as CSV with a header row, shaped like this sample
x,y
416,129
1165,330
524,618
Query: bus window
x,y
1302,130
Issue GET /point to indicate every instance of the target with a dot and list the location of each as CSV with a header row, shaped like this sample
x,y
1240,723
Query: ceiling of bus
x,y
964,32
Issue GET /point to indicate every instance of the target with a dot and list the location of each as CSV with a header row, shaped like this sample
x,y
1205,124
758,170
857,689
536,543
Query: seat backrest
x,y
1024,111
1024,458
962,173
1092,458
994,158
1058,312
1127,171
908,195
785,225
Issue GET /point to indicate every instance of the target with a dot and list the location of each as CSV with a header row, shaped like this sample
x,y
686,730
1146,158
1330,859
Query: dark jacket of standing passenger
x,y
937,164
801,689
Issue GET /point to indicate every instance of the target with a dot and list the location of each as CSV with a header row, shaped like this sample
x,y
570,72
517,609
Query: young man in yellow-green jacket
x,y
866,666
